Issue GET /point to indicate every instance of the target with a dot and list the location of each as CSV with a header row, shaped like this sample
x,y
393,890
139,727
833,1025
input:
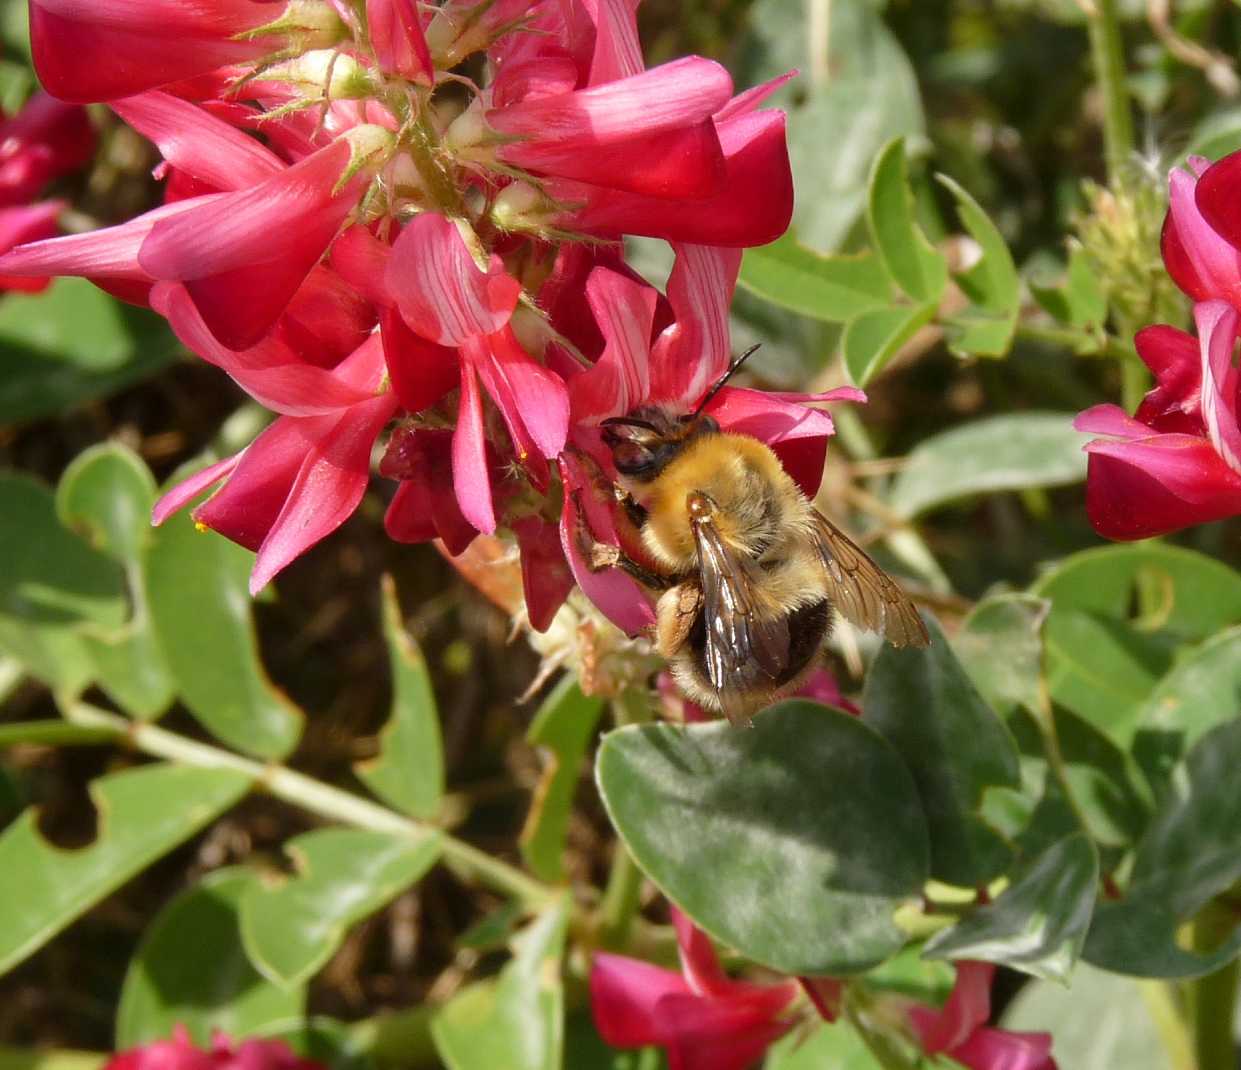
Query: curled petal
x,y
421,371
624,998
27,223
748,101
1217,334
425,505
699,963
198,144
617,52
1200,262
826,993
1176,361
545,576
398,40
967,1009
998,1049
620,380
470,475
440,290
188,489
326,319
361,260
532,400
89,51
692,354
243,256
1217,201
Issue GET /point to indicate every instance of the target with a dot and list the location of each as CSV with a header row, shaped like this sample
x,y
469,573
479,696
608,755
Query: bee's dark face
x,y
645,441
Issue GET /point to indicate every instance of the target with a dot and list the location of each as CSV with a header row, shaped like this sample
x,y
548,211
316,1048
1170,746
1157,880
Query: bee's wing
x,y
865,594
737,635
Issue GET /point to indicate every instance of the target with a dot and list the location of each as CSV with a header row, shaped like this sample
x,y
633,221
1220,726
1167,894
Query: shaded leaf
x,y
106,495
1010,452
191,969
143,813
921,700
292,927
914,264
1080,301
517,1021
562,729
1000,646
408,773
1039,922
200,603
735,827
832,288
73,343
837,1046
875,337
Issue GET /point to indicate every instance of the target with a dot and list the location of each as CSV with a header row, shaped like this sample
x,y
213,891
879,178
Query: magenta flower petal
x,y
195,142
188,489
625,995
1200,262
1175,359
327,489
440,290
27,223
545,575
753,206
470,476
421,371
692,354
700,965
361,260
1217,334
826,993
425,505
618,52
87,51
1217,201
398,40
243,255
532,400
714,1034
998,1049
619,381
967,1009
747,101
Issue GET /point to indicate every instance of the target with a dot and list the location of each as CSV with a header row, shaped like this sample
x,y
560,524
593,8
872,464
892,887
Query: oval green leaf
x,y
917,267
793,841
831,288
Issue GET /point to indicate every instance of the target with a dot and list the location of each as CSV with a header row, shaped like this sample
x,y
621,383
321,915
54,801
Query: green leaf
x,y
992,284
837,1046
921,700
909,974
562,729
832,288
191,969
1100,1020
200,602
330,1042
292,927
734,826
408,773
1009,452
52,584
1202,691
915,265
73,343
1190,852
1101,661
875,337
516,1022
585,1049
143,813
1001,648
1038,924
857,91
106,495
1081,300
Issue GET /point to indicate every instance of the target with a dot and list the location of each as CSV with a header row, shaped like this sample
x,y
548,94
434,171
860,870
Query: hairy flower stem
x,y
1108,55
622,896
333,804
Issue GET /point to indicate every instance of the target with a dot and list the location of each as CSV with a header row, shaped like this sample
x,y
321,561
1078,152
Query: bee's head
x,y
644,442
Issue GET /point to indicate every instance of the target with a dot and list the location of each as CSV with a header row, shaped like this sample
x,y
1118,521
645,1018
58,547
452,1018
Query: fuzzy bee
x,y
747,571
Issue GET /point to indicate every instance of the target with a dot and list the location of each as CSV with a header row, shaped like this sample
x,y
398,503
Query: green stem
x,y
1108,55
313,796
1161,1005
623,894
1213,998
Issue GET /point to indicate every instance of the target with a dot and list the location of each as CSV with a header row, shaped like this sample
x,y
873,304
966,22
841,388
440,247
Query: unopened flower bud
x,y
519,207
324,74
307,24
467,130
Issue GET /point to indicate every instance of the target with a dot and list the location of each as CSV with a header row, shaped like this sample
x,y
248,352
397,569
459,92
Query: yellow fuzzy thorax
x,y
756,499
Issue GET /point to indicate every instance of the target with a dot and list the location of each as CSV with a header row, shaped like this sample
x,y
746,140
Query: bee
x,y
747,571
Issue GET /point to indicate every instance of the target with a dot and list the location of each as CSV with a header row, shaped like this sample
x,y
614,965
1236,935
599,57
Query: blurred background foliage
x,y
997,94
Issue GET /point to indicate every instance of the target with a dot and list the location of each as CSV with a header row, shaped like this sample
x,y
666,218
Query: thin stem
x,y
1169,1023
623,894
1108,54
1213,998
313,796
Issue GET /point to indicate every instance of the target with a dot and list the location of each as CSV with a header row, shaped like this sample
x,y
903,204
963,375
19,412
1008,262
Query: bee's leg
x,y
634,510
675,613
600,555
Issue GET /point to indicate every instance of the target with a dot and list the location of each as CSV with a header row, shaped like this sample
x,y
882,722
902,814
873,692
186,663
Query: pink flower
x,y
43,141
959,1031
700,1017
1201,262
1177,462
225,1053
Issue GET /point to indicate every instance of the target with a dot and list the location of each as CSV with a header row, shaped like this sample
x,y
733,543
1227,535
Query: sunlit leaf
x,y
876,336
916,267
292,926
191,970
143,813
735,827
832,288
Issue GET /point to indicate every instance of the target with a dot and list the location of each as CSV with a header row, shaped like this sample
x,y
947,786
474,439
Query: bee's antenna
x,y
732,368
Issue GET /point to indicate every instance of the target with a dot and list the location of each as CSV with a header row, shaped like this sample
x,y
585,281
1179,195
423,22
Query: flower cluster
x,y
45,140
1177,460
705,1020
374,245
180,1053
